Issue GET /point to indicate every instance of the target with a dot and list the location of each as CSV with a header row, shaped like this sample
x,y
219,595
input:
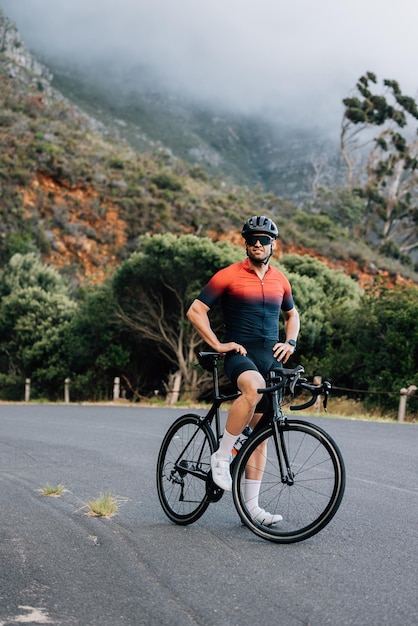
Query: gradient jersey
x,y
250,306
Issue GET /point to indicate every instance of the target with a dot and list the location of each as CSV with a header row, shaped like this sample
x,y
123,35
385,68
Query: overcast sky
x,y
295,57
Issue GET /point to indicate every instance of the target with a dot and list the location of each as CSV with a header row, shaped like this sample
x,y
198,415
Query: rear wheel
x,y
182,469
304,482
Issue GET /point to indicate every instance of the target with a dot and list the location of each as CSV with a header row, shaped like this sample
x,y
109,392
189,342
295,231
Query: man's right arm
x,y
198,317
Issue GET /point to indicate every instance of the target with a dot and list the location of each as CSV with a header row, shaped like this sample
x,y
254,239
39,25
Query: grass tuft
x,y
105,505
52,491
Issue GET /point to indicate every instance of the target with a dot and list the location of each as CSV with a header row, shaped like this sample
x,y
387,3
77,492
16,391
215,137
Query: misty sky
x,y
295,58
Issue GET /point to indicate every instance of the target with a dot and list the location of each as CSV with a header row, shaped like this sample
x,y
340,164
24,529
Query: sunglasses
x,y
265,240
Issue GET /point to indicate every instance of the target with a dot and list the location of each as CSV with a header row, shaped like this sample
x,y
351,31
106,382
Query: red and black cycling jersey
x,y
250,306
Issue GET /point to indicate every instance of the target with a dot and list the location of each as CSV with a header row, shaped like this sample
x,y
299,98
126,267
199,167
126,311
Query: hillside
x,y
253,151
73,189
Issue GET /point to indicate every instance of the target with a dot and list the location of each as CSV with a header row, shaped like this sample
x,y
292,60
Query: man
x,y
252,293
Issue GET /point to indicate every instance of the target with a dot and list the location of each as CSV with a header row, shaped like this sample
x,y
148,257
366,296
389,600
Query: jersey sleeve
x,y
288,302
215,288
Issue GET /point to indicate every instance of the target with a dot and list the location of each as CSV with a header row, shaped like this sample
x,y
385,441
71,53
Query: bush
x,y
165,181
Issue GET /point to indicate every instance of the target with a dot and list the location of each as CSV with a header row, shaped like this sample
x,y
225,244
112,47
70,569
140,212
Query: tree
x,y
35,309
27,270
389,180
154,288
95,347
375,348
322,296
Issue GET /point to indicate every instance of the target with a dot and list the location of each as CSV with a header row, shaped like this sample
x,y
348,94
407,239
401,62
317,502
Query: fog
x,y
289,59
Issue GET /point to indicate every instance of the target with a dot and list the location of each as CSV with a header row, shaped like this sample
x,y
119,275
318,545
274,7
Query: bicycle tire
x,y
311,501
182,469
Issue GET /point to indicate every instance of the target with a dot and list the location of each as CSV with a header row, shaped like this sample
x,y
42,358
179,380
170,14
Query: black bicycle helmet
x,y
260,224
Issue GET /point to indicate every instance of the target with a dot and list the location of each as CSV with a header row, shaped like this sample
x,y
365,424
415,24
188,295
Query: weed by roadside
x,y
105,505
52,491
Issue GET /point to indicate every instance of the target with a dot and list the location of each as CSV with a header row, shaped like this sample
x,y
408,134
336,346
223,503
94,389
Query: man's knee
x,y
248,383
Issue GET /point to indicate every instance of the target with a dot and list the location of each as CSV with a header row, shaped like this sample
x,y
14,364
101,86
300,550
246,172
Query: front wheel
x,y
302,479
182,469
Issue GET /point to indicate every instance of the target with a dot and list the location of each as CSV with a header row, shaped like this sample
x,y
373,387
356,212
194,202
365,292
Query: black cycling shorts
x,y
259,358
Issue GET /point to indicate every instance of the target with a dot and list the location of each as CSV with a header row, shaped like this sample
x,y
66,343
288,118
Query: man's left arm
x,y
282,351
291,324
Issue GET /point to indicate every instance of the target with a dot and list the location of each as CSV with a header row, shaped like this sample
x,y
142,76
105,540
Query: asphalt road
x,y
59,566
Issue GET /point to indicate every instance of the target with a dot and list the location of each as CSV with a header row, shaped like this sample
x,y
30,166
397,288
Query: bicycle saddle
x,y
208,360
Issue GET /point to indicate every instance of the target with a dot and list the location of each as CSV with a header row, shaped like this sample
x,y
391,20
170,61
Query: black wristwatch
x,y
292,342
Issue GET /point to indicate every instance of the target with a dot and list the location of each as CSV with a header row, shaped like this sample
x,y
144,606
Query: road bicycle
x,y
304,474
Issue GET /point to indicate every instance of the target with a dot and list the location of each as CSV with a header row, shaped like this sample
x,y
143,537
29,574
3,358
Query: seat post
x,y
215,376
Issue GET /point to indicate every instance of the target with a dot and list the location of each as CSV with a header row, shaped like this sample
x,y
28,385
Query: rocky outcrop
x,y
12,46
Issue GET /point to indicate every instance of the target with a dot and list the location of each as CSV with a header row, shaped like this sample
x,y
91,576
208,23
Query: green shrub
x,y
165,181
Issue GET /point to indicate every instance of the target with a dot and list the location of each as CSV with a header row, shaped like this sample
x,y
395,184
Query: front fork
x,y
286,473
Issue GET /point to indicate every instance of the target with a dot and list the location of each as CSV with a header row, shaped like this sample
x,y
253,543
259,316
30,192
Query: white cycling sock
x,y
251,493
227,443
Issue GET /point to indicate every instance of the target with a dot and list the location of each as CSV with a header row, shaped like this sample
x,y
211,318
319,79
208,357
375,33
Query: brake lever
x,y
295,379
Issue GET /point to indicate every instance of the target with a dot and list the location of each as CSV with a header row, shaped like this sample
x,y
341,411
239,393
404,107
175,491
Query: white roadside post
x,y
27,390
405,393
116,388
67,390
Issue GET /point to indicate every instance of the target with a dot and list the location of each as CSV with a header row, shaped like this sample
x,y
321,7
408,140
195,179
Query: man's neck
x,y
259,268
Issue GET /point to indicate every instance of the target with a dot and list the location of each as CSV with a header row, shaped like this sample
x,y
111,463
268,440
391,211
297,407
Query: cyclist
x,y
252,294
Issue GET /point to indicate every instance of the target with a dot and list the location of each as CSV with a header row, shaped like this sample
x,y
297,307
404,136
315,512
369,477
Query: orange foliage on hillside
x,y
92,247
92,243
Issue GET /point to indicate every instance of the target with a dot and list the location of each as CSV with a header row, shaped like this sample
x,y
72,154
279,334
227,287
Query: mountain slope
x,y
73,189
251,150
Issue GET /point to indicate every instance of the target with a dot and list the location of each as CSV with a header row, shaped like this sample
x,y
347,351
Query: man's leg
x,y
253,476
240,415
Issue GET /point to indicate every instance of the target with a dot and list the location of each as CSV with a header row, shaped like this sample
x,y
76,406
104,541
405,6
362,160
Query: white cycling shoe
x,y
265,518
221,475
